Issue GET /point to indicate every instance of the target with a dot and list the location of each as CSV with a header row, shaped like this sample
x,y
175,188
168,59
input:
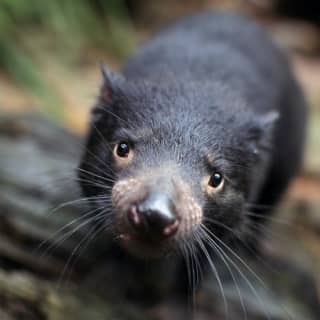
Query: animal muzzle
x,y
155,217
154,213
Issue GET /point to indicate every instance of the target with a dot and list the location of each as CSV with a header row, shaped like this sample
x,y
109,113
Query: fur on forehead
x,y
139,103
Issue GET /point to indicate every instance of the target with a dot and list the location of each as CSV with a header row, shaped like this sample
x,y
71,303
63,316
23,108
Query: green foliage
x,y
58,29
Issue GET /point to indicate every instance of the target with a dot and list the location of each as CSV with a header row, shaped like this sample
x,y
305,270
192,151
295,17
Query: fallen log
x,y
39,281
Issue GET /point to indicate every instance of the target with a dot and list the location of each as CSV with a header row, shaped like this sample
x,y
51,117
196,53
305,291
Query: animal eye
x,y
122,149
216,180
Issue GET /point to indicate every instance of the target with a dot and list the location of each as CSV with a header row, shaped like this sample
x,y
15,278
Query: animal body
x,y
200,132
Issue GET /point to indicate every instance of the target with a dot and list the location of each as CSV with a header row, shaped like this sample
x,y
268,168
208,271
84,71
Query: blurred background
x,y
49,64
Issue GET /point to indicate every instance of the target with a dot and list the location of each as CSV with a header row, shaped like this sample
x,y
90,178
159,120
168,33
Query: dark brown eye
x,y
216,180
122,149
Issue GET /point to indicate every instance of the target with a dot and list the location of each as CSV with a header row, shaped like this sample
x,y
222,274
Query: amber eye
x,y
216,180
122,149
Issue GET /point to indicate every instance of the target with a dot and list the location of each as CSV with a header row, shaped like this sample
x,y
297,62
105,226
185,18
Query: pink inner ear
x,y
106,93
106,90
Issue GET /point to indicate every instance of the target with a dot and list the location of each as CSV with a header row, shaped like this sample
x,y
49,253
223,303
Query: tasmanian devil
x,y
201,131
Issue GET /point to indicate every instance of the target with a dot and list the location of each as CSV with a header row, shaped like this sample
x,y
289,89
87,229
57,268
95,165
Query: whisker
x,y
105,143
247,267
206,236
96,175
87,220
93,155
272,219
259,206
258,229
195,279
95,184
215,272
71,202
252,288
186,254
244,243
118,117
82,245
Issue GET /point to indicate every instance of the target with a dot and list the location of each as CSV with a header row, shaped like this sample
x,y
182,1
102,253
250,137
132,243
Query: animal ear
x,y
261,131
111,80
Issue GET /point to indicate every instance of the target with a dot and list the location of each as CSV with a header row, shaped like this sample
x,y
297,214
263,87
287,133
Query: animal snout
x,y
155,216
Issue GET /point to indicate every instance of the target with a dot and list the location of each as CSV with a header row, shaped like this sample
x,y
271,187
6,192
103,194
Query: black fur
x,y
213,83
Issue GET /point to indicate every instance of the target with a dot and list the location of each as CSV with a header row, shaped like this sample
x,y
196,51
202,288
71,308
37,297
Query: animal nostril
x,y
160,223
171,229
155,216
134,216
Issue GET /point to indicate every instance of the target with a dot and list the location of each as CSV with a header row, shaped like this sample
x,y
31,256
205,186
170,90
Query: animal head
x,y
169,164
